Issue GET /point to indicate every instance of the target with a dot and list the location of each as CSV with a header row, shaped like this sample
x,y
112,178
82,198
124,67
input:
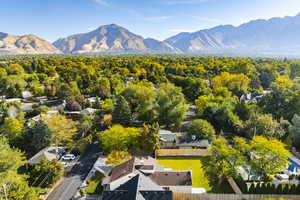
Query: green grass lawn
x,y
199,177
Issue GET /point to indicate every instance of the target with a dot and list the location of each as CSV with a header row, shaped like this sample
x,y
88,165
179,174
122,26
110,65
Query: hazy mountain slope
x,y
26,44
110,38
274,35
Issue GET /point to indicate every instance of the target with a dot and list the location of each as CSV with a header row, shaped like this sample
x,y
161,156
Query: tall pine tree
x,y
122,112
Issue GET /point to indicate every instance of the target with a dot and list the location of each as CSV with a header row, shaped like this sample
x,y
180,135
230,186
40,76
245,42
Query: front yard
x,y
199,177
94,185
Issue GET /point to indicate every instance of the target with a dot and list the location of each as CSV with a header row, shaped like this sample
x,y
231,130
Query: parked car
x,y
68,157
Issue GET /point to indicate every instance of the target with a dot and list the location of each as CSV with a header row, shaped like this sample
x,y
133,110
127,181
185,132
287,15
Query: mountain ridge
x,y
272,35
25,44
111,38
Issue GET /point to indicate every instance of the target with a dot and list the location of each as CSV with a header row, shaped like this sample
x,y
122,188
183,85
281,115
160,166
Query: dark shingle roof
x,y
172,178
194,143
139,187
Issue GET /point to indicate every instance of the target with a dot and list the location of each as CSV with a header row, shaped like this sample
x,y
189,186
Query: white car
x,y
68,157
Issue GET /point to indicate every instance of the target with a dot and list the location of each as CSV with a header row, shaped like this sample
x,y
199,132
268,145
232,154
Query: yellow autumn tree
x,y
236,83
62,129
117,157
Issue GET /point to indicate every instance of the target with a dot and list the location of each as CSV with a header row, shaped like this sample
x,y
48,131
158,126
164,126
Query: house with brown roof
x,y
146,167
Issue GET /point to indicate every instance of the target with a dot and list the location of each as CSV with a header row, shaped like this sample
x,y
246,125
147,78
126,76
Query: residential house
x,y
88,111
50,153
138,187
294,166
167,139
26,94
177,181
193,144
146,170
191,112
248,98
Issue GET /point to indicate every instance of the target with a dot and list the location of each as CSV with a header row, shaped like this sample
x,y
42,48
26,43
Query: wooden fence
x,y
181,196
181,152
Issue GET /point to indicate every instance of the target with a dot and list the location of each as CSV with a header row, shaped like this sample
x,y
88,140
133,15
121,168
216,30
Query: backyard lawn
x,y
185,163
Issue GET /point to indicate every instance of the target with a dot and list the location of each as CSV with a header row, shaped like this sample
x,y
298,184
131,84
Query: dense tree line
x,y
136,95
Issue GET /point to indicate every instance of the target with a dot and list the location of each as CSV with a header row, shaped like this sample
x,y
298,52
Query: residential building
x,y
193,144
50,153
145,171
167,139
139,187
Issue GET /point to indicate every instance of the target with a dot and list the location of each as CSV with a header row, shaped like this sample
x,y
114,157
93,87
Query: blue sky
x,y
52,19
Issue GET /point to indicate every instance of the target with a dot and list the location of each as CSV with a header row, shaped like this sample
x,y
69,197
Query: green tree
x,y
237,83
62,129
13,85
38,136
12,129
122,112
52,171
282,102
295,130
13,186
264,125
202,129
171,105
225,159
119,138
149,138
142,100
268,156
70,92
84,125
103,88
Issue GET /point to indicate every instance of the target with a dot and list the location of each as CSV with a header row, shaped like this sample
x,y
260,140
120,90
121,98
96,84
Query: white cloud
x,y
157,18
101,2
183,2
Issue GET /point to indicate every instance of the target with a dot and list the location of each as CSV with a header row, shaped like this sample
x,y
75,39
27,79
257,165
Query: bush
x,y
94,185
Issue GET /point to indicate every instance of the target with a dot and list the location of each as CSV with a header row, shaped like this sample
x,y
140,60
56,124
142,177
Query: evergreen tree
x,y
293,189
122,113
273,189
38,136
295,130
263,188
251,189
298,189
269,188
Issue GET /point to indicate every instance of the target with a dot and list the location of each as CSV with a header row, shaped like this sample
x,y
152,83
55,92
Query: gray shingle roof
x,y
172,178
139,187
196,143
167,136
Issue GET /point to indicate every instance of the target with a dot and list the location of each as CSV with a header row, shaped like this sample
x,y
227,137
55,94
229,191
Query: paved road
x,y
68,188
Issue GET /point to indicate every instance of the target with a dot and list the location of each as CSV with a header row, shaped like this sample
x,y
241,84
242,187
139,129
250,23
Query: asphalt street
x,y
70,185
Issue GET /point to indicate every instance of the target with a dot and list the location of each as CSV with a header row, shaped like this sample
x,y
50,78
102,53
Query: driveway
x,y
70,185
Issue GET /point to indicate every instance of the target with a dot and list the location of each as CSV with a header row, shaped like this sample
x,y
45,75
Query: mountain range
x,y
26,44
273,36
